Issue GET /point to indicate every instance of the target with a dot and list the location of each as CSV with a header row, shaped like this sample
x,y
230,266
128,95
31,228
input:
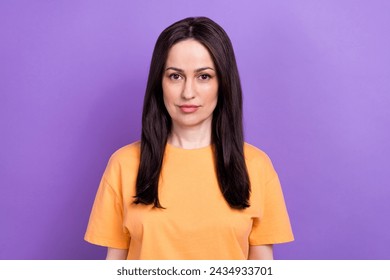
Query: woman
x,y
191,188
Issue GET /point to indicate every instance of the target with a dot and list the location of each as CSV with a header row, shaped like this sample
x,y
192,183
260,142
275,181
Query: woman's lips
x,y
188,108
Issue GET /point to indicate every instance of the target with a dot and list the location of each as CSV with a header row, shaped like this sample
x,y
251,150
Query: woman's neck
x,y
190,137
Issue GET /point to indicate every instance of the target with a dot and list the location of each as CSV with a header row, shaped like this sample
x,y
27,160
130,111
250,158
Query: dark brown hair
x,y
227,130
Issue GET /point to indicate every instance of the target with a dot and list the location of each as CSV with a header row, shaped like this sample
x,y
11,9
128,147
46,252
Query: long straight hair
x,y
227,128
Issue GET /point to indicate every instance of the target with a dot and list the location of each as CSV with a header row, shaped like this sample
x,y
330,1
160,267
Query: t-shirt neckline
x,y
179,149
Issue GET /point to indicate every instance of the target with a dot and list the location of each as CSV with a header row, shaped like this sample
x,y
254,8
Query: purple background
x,y
316,81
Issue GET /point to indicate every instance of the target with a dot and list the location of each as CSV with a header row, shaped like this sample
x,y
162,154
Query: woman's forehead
x,y
189,53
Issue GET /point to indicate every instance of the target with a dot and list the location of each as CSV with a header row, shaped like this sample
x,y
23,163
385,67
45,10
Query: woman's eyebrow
x,y
174,69
203,68
196,70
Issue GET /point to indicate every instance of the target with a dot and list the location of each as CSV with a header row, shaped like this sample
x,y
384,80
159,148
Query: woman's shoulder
x,y
122,167
128,154
132,149
252,152
256,159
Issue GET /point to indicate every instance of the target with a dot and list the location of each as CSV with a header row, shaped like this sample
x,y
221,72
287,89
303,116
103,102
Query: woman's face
x,y
190,85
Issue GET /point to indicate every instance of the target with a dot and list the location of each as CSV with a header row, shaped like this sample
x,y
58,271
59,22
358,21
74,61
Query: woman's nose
x,y
188,90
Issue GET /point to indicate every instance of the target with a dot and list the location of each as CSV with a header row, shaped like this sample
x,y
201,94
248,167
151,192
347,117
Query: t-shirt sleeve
x,y
273,225
105,227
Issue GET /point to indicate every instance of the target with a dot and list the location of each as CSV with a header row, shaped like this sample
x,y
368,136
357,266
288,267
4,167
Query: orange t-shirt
x,y
197,222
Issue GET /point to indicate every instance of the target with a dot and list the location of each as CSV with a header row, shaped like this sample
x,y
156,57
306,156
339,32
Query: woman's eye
x,y
174,76
204,77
